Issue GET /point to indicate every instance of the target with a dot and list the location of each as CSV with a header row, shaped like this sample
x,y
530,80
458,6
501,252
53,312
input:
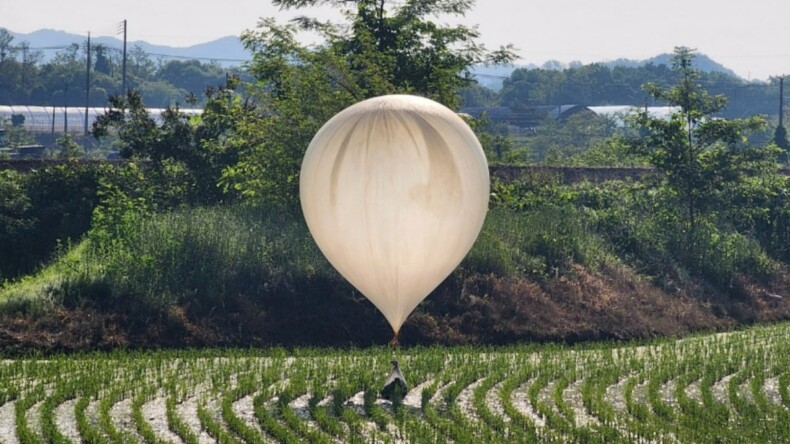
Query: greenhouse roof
x,y
57,119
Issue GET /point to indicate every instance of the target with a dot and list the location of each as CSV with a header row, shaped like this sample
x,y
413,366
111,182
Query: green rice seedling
x,y
268,421
88,433
235,424
493,421
62,393
23,431
213,428
105,420
525,426
176,424
143,428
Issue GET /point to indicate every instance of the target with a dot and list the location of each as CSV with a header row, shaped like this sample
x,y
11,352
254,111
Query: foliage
x,y
204,256
708,388
780,140
15,135
532,244
67,147
559,139
612,152
596,85
17,224
384,47
25,78
194,150
703,160
41,210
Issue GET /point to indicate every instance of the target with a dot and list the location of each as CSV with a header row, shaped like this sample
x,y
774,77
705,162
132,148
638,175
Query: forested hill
x,y
493,76
602,84
701,62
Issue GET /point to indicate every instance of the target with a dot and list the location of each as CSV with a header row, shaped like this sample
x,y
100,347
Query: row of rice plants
x,y
710,388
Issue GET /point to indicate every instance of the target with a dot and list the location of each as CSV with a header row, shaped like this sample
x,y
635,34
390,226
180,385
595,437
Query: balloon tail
x,y
394,342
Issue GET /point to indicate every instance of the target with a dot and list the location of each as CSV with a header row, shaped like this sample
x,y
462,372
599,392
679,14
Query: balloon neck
x,y
394,341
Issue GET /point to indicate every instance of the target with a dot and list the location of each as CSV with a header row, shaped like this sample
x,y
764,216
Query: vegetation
x,y
198,240
26,79
713,388
597,84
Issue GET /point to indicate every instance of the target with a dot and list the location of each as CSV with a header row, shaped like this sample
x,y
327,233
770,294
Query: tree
x,y
385,47
140,66
67,147
191,150
103,63
700,156
6,49
191,75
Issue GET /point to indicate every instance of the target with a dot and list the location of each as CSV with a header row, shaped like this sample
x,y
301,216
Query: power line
x,y
155,54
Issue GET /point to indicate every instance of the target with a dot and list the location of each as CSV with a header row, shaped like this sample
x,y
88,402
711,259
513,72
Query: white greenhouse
x,y
57,119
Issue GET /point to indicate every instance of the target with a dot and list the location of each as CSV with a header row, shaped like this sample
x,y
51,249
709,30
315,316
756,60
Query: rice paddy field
x,y
730,387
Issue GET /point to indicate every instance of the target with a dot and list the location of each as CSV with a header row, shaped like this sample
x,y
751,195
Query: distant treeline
x,y
26,79
597,84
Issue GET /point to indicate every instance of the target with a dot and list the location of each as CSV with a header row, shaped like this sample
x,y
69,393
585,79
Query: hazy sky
x,y
750,37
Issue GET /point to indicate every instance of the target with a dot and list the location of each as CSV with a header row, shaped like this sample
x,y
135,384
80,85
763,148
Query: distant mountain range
x,y
227,51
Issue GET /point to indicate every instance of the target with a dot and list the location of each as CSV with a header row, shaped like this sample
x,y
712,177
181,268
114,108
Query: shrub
x,y
41,209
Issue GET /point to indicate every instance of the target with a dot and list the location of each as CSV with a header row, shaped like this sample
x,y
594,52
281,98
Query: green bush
x,y
42,209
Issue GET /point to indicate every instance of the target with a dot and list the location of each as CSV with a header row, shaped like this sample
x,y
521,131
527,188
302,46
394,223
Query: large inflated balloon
x,y
394,191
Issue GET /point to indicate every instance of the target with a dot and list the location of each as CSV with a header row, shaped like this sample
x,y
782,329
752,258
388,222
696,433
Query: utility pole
x,y
781,100
123,62
88,83
66,108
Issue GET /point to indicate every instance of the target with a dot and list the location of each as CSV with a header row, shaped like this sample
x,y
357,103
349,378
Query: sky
x,y
751,38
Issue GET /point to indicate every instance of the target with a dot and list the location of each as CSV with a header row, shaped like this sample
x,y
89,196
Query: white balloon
x,y
395,190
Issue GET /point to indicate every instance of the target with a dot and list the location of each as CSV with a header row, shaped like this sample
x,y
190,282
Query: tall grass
x,y
539,243
210,255
199,254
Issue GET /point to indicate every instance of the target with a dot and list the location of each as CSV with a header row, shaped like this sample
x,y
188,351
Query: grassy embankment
x,y
587,268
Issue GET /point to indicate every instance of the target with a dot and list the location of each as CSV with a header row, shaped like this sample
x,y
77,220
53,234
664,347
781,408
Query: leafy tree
x,y
384,47
103,63
139,65
66,76
558,139
7,50
702,158
191,75
598,84
67,147
160,94
193,150
475,95
16,222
